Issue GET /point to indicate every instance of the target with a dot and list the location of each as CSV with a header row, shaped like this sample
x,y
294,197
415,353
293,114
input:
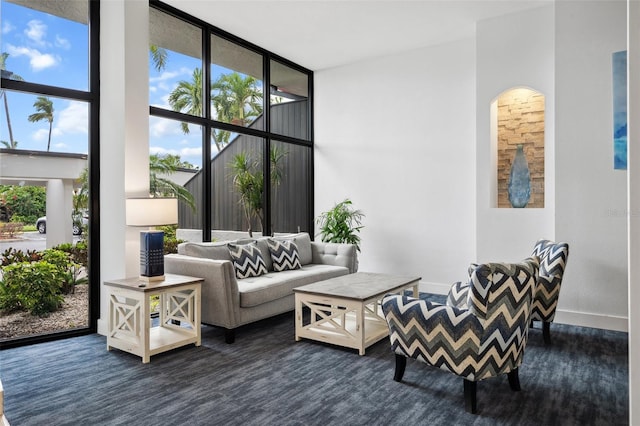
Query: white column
x,y
59,207
124,135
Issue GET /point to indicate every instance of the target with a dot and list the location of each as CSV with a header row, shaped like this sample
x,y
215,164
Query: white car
x,y
41,225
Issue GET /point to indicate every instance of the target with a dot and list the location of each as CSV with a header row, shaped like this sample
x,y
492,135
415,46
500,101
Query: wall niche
x,y
520,121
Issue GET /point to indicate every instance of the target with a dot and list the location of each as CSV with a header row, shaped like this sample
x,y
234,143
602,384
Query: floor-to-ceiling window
x,y
238,120
49,127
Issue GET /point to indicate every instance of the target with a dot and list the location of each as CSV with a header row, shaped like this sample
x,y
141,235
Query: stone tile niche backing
x,y
521,121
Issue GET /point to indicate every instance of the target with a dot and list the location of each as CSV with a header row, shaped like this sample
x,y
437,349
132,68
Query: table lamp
x,y
149,212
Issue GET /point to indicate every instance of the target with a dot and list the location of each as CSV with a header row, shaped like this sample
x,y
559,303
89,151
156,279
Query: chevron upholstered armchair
x,y
553,259
484,339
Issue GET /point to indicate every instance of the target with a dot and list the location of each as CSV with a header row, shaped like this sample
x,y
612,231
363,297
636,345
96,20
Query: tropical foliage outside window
x,y
226,100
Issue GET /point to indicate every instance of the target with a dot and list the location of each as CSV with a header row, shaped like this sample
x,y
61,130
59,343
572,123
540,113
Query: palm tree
x,y
161,187
44,106
248,180
187,97
237,99
12,144
159,56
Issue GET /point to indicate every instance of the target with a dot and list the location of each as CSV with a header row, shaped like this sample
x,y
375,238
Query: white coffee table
x,y
345,311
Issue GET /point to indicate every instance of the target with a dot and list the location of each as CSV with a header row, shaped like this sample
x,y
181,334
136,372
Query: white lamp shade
x,y
152,211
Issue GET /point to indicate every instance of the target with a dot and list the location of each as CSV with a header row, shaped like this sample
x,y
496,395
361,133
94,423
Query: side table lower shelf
x,y
130,327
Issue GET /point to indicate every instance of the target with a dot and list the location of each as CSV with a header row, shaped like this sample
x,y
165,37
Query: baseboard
x,y
586,319
582,319
103,327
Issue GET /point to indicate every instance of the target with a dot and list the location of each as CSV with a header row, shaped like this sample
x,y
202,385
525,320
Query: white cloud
x,y
62,42
191,152
169,75
7,27
59,146
36,31
41,134
38,61
159,128
73,119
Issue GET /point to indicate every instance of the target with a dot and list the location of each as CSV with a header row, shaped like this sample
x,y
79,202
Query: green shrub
x,y
18,218
63,262
170,240
78,251
11,256
32,286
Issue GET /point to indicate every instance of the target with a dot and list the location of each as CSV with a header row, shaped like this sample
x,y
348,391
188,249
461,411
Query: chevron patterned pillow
x,y
247,260
284,255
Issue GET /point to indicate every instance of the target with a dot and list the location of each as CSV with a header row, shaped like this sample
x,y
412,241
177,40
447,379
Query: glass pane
x,y
289,101
175,64
43,212
236,84
44,123
175,161
46,42
290,183
237,186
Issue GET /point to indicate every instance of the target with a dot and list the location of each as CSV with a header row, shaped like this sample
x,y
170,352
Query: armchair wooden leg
x,y
229,335
514,380
401,363
546,332
470,396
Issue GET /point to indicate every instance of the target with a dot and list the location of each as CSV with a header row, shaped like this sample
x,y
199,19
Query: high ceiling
x,y
328,33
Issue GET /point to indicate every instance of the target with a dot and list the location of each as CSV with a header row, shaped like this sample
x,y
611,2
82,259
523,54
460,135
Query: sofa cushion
x,y
247,260
255,291
264,249
303,242
284,255
214,251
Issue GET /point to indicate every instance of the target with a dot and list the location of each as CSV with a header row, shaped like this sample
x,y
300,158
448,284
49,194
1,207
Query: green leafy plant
x,y
170,240
26,203
11,256
69,270
248,181
78,252
32,286
341,224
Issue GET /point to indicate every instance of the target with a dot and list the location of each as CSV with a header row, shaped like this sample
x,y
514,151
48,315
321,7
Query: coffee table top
x,y
358,286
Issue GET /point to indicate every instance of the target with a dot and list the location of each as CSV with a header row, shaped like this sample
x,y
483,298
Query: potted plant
x,y
341,224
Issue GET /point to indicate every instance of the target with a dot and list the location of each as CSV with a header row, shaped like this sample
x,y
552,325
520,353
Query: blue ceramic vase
x,y
519,187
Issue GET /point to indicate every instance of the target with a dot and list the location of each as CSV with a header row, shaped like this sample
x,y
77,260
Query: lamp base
x,y
151,279
151,256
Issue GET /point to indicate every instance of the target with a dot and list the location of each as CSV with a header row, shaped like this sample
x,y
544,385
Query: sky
x,y
48,50
51,50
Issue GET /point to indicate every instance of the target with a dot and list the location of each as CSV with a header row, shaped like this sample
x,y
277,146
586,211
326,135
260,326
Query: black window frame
x,y
208,124
92,97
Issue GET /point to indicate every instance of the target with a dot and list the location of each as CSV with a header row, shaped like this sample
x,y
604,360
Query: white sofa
x,y
229,302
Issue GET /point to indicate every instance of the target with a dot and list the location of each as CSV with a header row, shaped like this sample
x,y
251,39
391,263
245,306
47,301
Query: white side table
x,y
130,317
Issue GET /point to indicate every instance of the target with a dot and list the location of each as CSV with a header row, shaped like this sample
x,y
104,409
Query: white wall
x,y
397,136
513,51
591,197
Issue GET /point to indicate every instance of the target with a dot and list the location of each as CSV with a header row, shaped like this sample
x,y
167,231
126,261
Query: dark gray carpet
x,y
266,378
